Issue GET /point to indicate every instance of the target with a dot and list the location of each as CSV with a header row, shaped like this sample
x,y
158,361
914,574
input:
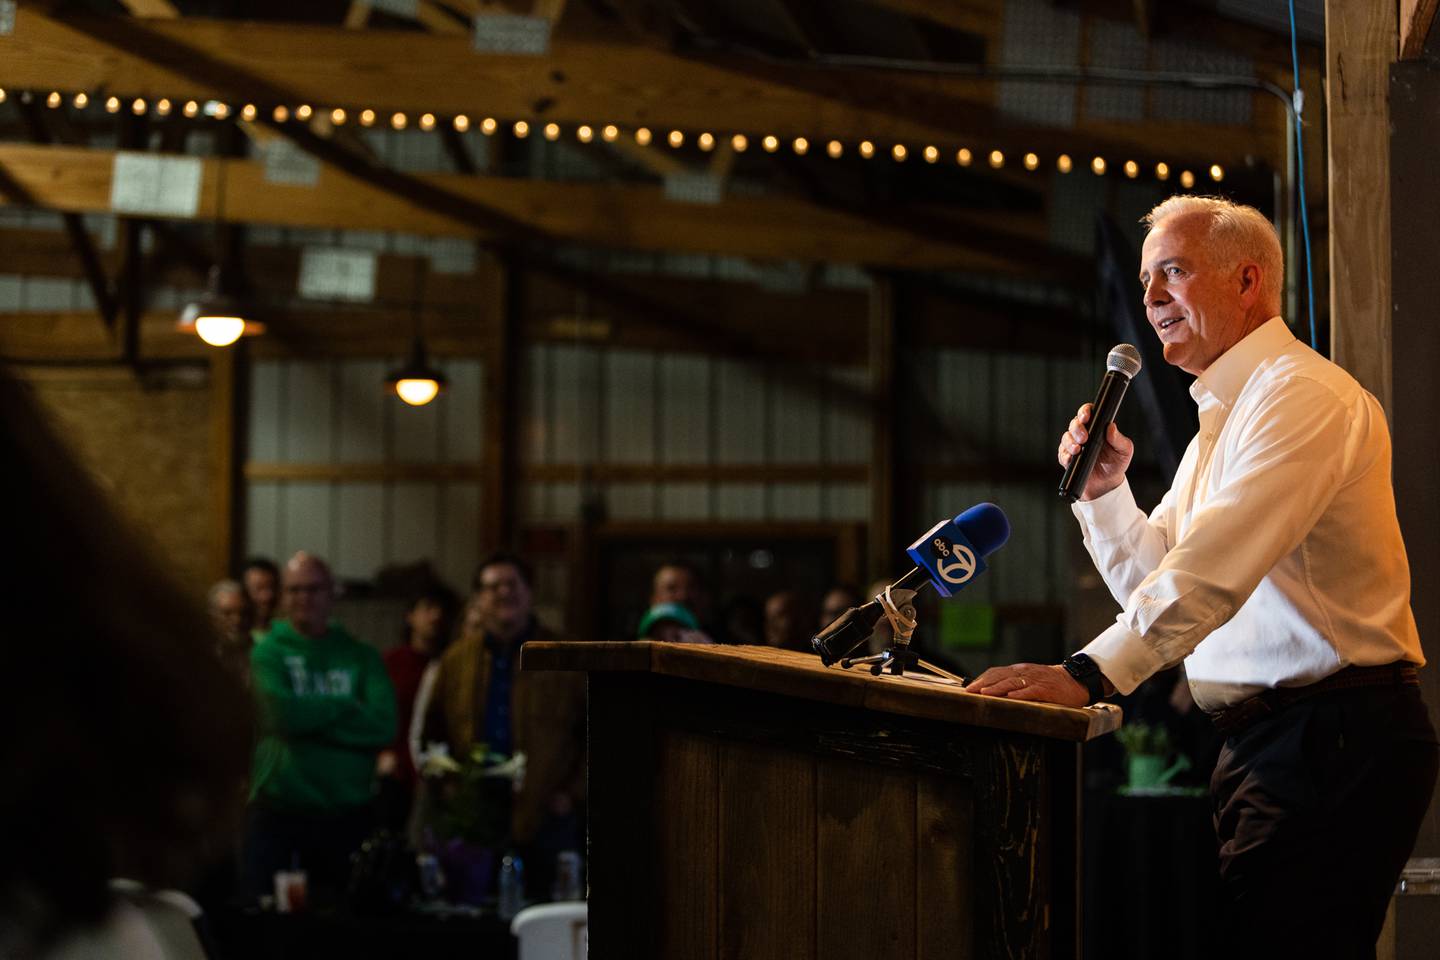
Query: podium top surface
x,y
802,675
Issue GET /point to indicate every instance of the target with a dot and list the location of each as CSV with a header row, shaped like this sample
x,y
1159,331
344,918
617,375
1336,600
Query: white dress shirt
x,y
1275,558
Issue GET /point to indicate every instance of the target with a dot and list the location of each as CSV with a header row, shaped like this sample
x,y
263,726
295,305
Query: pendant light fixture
x,y
217,316
417,382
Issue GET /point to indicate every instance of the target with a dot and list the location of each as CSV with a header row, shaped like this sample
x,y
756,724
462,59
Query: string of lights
x,y
643,136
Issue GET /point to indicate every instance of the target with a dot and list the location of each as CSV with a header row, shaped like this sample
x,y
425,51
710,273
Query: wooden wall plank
x,y
688,773
767,812
629,406
865,861
944,870
740,413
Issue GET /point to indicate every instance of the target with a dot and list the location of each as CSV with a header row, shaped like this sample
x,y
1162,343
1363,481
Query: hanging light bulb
x,y
963,156
416,383
1132,169
835,148
932,154
642,136
137,106
1063,163
1162,171
1217,172
216,317
899,152
303,112
248,112
81,101
462,123
280,114
706,142
771,143
1187,179
1032,161
997,159
801,145
488,126
397,120
338,117
739,142
367,117
552,132
676,138
162,107
584,133
427,121
1098,166
867,149
610,133
53,101
190,109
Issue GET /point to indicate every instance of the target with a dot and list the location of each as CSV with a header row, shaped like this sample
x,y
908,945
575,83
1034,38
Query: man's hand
x,y
1047,683
1114,456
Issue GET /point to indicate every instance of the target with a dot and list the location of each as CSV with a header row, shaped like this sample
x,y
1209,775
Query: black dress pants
x,y
1316,810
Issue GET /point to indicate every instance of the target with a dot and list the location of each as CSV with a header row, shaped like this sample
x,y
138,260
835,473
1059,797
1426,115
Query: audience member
x,y
127,742
427,629
230,609
261,579
742,621
838,599
327,709
671,623
786,623
481,696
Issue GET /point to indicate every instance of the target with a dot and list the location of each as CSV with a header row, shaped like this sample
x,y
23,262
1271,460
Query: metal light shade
x,y
417,383
216,317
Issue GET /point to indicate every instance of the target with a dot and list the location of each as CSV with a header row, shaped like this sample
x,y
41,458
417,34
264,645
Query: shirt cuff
x,y
1124,657
1109,511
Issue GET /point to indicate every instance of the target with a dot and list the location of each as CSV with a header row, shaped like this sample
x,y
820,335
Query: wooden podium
x,y
751,804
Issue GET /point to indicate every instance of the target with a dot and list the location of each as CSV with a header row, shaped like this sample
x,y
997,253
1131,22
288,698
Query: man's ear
x,y
1249,278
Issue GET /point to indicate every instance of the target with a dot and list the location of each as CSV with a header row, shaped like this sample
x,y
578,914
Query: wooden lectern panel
x,y
749,806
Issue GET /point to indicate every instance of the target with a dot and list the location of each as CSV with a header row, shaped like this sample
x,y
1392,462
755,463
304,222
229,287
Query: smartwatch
x,y
1086,672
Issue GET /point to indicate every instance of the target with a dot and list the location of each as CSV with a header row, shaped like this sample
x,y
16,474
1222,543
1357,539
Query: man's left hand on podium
x,y
1046,683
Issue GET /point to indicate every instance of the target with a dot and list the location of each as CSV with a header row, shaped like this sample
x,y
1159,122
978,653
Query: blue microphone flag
x,y
953,551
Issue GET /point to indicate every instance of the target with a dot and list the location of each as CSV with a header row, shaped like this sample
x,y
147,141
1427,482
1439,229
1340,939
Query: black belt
x,y
1237,718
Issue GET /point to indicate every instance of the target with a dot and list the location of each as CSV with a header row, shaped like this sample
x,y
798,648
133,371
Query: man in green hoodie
x,y
327,709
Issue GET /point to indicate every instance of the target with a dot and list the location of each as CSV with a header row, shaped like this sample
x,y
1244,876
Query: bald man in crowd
x,y
327,710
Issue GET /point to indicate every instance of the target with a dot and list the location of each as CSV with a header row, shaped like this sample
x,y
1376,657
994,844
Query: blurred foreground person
x,y
127,739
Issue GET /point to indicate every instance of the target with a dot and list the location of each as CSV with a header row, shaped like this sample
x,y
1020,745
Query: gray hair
x,y
1237,232
221,587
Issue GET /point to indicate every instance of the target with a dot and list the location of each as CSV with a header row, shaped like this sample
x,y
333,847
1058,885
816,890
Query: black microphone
x,y
1121,366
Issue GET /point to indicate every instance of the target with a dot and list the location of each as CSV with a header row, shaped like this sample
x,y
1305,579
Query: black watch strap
x,y
1086,673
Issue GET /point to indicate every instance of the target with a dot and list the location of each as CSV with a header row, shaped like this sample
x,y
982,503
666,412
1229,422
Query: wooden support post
x,y
1360,45
884,422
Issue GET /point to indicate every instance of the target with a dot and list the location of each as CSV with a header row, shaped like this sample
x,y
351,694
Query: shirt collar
x,y
1226,377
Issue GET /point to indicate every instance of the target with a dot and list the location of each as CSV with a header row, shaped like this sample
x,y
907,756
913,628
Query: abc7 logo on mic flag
x,y
954,562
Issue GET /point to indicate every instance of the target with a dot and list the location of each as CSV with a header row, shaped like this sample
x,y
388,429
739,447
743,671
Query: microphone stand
x,y
897,605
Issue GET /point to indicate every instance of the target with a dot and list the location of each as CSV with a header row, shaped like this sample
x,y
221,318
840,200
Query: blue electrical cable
x,y
1299,99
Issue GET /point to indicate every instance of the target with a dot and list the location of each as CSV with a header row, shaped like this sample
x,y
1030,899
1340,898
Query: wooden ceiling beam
x,y
580,81
607,215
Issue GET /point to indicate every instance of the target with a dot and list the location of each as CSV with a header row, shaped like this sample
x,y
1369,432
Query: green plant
x,y
474,794
1144,739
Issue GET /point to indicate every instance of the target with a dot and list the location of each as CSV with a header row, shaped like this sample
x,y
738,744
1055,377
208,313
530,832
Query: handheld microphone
x,y
1121,366
949,555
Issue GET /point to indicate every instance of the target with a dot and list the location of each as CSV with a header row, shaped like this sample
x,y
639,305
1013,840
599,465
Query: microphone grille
x,y
1124,359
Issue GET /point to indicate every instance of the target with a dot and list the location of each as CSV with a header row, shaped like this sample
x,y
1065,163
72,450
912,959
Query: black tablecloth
x,y
257,935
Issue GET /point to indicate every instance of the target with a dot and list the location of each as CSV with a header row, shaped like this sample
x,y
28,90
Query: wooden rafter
x,y
578,82
611,215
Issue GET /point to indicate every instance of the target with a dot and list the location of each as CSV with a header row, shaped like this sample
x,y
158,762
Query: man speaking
x,y
1274,568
